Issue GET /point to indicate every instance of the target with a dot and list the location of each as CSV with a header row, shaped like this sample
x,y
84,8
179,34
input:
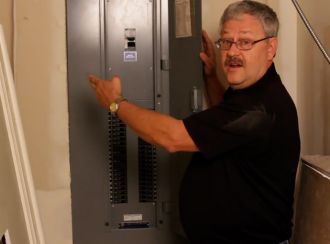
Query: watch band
x,y
120,99
114,106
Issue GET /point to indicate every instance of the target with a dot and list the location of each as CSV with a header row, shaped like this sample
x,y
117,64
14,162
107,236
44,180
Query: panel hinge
x,y
164,64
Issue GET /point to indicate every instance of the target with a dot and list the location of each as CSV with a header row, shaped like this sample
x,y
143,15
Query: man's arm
x,y
157,128
213,86
151,126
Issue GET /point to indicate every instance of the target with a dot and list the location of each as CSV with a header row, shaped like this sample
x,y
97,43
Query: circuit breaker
x,y
125,190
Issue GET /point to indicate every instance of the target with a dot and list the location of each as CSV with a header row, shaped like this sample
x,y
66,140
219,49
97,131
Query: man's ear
x,y
272,48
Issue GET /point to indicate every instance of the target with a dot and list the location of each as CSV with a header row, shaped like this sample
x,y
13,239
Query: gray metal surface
x,y
88,140
155,79
137,73
185,64
130,53
185,74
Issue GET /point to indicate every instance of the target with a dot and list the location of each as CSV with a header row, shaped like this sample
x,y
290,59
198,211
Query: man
x,y
239,186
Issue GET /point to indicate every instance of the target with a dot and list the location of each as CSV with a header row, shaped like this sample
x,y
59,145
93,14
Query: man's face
x,y
245,67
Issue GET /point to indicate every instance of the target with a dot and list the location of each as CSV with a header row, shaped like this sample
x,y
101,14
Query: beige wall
x,y
314,80
41,86
40,75
41,82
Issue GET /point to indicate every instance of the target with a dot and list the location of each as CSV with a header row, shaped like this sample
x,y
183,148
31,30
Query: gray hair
x,y
263,12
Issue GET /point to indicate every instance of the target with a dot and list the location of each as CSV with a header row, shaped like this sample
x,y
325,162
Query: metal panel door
x,y
122,189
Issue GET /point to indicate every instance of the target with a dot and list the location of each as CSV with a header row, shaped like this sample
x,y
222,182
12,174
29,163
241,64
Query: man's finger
x,y
92,85
206,59
93,80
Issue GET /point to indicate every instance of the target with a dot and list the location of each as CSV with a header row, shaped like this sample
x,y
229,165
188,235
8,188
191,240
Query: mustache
x,y
233,60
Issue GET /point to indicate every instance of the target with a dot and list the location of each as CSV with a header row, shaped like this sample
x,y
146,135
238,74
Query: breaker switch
x,y
130,39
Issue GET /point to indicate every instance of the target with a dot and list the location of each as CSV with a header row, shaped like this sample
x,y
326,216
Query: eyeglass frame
x,y
218,45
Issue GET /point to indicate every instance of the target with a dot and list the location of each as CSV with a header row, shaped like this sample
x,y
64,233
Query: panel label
x,y
133,217
130,56
183,18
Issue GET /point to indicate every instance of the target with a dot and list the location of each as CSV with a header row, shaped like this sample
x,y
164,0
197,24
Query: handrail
x,y
311,31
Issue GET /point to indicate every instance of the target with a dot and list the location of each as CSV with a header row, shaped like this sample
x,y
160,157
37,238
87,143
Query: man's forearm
x,y
156,128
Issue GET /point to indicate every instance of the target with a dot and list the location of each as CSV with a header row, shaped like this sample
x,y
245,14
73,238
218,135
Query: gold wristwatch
x,y
114,106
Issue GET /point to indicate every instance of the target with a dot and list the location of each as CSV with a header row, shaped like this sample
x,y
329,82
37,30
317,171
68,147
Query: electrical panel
x,y
125,190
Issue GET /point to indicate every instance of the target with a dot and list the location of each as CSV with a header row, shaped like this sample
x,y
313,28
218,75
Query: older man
x,y
239,185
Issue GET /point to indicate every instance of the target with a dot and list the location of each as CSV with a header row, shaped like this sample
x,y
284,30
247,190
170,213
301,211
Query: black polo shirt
x,y
239,187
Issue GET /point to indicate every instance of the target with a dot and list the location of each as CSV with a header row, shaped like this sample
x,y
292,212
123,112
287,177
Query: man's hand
x,y
106,91
208,56
213,86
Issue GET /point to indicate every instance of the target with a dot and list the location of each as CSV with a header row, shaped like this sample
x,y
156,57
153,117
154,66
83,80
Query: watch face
x,y
113,107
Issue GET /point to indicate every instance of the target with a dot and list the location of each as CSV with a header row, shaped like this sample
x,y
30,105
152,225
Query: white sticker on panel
x,y
130,56
133,217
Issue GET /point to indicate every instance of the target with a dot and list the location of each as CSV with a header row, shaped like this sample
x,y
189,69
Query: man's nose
x,y
233,50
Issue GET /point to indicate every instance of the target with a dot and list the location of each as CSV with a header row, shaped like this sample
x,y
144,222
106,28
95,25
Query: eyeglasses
x,y
241,44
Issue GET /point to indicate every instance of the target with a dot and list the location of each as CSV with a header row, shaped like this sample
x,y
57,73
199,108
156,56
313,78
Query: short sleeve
x,y
223,128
